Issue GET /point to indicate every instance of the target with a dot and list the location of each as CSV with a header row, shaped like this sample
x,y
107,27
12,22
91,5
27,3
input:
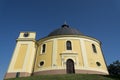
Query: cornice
x,y
26,39
76,36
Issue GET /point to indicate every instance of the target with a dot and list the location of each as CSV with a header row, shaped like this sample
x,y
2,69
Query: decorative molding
x,y
74,36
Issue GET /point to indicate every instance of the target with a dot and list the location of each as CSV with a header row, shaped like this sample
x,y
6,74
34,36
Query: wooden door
x,y
70,66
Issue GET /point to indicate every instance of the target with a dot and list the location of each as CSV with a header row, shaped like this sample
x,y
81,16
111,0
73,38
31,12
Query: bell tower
x,y
23,56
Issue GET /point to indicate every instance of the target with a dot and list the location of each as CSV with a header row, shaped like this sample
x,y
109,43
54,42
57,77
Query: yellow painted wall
x,y
21,56
76,48
94,57
46,57
61,47
24,54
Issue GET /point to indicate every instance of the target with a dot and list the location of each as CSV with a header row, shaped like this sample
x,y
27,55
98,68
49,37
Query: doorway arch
x,y
70,66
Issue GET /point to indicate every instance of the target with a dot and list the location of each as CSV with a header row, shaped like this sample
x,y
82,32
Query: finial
x,y
65,25
65,22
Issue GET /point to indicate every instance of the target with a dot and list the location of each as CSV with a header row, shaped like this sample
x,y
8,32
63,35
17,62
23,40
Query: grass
x,y
69,77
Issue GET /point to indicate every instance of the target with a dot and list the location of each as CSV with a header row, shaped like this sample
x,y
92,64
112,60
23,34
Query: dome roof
x,y
65,30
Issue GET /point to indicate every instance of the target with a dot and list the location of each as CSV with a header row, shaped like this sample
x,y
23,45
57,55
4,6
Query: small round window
x,y
26,34
41,63
98,63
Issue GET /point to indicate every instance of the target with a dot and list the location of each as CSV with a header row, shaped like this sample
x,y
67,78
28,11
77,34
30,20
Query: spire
x,y
65,25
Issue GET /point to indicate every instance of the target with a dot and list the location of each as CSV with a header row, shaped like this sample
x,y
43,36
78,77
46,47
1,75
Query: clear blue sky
x,y
96,18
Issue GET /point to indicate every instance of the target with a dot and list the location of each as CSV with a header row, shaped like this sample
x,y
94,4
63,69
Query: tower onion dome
x,y
65,30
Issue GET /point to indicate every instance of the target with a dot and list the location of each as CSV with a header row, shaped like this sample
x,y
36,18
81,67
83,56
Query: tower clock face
x,y
26,34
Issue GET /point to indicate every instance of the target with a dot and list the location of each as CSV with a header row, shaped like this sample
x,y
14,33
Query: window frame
x,y
43,48
42,64
68,45
94,48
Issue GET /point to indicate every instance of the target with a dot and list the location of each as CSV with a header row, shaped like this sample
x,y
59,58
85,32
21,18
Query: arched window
x,y
94,48
43,48
69,45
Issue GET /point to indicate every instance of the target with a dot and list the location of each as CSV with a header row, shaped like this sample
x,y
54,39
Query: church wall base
x,y
63,71
13,75
51,72
89,72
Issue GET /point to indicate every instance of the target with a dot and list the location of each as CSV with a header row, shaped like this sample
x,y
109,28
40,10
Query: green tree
x,y
114,68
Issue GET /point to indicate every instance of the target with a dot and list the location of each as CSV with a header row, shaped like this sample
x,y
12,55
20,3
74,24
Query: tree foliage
x,y
114,68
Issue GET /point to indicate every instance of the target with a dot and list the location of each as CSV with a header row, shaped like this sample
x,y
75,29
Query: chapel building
x,y
64,51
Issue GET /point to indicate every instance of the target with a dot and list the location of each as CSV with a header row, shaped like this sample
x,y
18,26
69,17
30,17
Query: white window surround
x,y
41,65
41,52
66,56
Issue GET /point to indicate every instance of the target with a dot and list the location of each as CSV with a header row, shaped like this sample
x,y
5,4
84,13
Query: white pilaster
x,y
54,55
84,54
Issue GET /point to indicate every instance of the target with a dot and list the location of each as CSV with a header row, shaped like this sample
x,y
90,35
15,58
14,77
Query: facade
x,y
63,51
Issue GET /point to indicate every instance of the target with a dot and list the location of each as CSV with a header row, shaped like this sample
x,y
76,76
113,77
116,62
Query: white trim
x,y
26,57
42,48
72,38
66,56
29,55
40,65
48,68
66,45
32,57
84,54
54,54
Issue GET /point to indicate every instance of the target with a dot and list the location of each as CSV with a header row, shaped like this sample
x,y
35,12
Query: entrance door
x,y
17,74
70,66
